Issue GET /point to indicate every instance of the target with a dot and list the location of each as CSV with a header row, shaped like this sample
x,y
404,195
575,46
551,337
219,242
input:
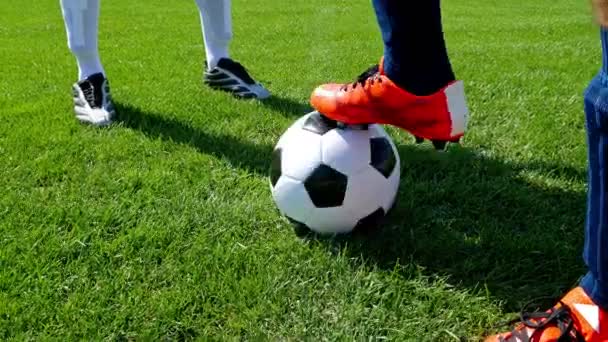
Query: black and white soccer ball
x,y
333,179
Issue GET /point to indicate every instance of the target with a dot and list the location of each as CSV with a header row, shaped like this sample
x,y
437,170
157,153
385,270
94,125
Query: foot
x,y
93,101
574,318
232,77
374,98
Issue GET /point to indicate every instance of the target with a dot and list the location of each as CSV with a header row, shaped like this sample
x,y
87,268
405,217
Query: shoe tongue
x,y
96,79
225,62
92,89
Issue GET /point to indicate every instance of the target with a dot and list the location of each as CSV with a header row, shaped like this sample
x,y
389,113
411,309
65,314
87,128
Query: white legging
x,y
81,19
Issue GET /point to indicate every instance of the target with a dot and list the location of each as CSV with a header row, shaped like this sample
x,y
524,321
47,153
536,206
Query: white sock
x,y
216,20
81,20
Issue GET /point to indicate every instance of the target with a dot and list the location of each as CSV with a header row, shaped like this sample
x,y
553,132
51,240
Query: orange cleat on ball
x,y
374,98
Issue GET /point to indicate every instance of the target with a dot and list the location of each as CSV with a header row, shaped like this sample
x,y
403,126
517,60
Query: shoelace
x,y
371,74
89,95
558,316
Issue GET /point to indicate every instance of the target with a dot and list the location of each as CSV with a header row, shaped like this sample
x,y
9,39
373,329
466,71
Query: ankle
x,y
420,81
596,290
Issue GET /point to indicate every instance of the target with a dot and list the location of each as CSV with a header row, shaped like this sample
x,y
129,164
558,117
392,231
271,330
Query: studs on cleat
x,y
362,127
440,145
342,125
359,127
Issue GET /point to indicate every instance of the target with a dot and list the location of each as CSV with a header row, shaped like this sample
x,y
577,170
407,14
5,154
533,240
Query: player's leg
x,y
414,88
595,253
216,20
415,55
221,72
587,305
92,99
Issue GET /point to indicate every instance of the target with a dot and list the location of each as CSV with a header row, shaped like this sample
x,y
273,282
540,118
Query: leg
x,y
221,72
415,55
216,21
595,254
81,19
92,99
413,88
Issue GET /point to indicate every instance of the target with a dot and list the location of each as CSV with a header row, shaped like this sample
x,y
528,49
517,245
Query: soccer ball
x,y
333,179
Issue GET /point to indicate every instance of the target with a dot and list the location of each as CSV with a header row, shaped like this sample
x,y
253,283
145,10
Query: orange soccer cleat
x,y
374,98
574,318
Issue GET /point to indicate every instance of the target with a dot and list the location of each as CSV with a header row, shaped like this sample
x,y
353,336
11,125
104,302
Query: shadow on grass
x,y
484,223
237,151
286,105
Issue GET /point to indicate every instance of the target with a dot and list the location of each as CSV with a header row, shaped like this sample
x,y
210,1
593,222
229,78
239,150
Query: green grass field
x,y
162,227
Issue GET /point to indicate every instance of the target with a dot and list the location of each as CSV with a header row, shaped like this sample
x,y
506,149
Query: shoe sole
x,y
85,116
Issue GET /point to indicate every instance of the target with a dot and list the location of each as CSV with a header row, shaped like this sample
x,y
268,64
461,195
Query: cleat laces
x,y
369,76
89,95
558,316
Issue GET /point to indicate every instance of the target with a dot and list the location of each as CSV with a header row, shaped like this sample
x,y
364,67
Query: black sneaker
x,y
232,77
93,101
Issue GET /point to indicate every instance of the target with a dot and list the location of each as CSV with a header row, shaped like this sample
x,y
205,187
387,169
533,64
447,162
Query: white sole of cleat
x,y
97,117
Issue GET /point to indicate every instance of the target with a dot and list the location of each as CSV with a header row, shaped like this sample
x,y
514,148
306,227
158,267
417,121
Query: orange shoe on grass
x,y
374,98
574,318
